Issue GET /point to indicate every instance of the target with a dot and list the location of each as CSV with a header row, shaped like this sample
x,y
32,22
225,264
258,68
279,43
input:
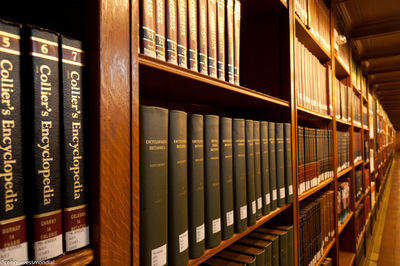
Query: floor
x,y
385,244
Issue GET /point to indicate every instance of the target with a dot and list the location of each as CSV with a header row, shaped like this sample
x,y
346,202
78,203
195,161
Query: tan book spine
x,y
212,38
148,28
237,18
160,29
221,39
182,33
203,58
230,42
172,37
192,31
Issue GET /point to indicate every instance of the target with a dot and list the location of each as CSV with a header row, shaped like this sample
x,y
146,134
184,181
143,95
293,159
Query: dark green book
x,y
283,243
257,168
265,186
211,181
272,164
266,245
196,186
280,164
153,168
178,243
274,247
248,260
289,229
251,190
288,163
258,253
226,175
239,175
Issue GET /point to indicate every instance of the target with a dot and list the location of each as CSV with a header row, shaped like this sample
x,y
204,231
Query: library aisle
x,y
385,242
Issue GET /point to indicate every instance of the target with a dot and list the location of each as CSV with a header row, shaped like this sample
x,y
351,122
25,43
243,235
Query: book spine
x,y
226,172
288,163
192,35
76,224
196,186
257,168
212,38
47,220
203,36
178,242
230,49
266,190
251,190
239,175
211,181
182,33
160,29
171,29
237,14
272,164
221,39
280,164
13,237
148,28
153,168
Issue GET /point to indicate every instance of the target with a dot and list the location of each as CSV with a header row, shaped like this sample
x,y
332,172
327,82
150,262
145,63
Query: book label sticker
x,y
216,225
200,232
259,203
290,189
229,218
183,241
243,212
77,238
274,194
159,256
253,207
48,248
282,193
13,243
15,253
267,199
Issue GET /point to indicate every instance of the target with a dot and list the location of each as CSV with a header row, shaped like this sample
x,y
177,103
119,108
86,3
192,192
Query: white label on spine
x,y
274,194
267,199
243,212
259,203
290,189
48,248
253,207
77,238
282,193
200,233
159,256
216,225
183,241
229,218
15,253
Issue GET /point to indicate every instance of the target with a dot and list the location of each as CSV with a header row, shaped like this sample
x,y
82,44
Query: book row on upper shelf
x,y
267,245
343,150
201,35
343,98
42,138
206,177
358,79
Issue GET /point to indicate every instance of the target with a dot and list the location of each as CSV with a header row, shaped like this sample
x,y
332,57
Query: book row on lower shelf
x,y
315,157
43,206
268,245
357,146
205,178
343,198
343,149
316,226
201,35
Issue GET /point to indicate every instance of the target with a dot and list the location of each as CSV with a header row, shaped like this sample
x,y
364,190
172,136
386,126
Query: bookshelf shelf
x,y
326,251
345,171
77,258
305,37
356,90
224,244
365,128
357,126
367,190
360,238
340,121
346,221
346,258
311,191
359,201
340,70
305,113
358,163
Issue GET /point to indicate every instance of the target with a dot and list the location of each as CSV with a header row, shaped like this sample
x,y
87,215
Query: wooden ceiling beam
x,y
380,55
391,84
377,29
384,71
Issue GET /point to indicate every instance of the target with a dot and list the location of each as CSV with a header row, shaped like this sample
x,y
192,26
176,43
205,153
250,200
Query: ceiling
x,y
374,30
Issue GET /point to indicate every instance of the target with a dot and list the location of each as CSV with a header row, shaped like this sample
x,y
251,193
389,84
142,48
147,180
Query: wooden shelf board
x,y
356,89
366,162
346,221
367,190
365,128
77,258
360,238
224,244
313,113
346,258
345,171
308,40
340,70
358,163
357,125
315,189
359,201
325,252
365,99
284,3
343,122
190,75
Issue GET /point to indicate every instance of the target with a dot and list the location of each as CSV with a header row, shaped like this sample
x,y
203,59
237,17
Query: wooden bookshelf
x,y
77,258
345,171
346,221
346,258
313,190
306,113
326,251
340,70
346,123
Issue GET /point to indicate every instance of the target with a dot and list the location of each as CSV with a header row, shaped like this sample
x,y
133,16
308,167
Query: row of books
x,y
202,35
343,149
356,109
315,157
327,262
371,160
358,183
206,177
366,149
316,226
315,15
357,146
312,81
365,115
343,198
359,221
44,208
342,101
271,245
358,79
